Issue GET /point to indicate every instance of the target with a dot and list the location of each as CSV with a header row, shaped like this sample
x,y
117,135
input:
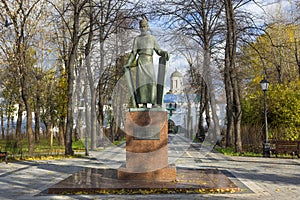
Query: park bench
x,y
4,155
285,147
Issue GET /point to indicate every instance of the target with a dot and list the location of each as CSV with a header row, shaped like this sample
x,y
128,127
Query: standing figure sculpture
x,y
144,45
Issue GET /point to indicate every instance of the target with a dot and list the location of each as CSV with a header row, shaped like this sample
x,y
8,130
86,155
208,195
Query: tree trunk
x,y
37,114
100,88
7,127
71,78
90,79
2,124
237,117
48,127
79,102
87,119
216,132
19,122
231,42
206,107
229,106
297,56
189,118
94,120
69,127
61,133
29,115
79,125
12,128
201,129
51,136
229,94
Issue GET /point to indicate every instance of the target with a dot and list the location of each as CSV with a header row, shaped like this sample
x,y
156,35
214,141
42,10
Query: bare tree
x,y
201,21
20,13
231,77
194,56
82,20
112,17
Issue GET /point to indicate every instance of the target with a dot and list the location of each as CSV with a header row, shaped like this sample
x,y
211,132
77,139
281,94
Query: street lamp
x,y
171,108
266,146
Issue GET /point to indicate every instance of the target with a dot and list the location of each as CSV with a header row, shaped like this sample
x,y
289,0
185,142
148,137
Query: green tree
x,y
284,110
283,103
274,54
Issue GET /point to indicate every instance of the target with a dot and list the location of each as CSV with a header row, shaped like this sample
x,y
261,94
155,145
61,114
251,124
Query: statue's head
x,y
144,26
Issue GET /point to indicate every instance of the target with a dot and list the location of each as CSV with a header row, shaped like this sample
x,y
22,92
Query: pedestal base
x,y
104,181
164,174
147,147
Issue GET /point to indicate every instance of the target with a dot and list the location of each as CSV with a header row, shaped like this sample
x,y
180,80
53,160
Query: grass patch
x,y
42,157
118,142
42,150
230,151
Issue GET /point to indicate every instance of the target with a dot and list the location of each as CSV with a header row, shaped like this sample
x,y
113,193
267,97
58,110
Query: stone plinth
x,y
104,181
165,174
147,147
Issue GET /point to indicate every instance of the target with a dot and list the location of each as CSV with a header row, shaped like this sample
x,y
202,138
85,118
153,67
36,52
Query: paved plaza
x,y
258,178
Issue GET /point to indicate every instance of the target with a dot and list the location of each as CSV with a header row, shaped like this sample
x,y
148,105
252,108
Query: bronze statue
x,y
144,45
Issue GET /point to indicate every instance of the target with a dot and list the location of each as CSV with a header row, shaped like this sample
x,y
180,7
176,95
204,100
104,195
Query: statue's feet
x,y
156,106
149,105
142,105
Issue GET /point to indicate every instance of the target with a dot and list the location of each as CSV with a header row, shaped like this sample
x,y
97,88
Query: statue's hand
x,y
126,67
167,55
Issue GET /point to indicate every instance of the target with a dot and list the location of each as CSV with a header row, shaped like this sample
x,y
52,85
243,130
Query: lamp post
x,y
266,145
171,108
171,125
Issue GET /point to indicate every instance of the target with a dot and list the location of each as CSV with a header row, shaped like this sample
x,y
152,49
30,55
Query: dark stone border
x,y
105,181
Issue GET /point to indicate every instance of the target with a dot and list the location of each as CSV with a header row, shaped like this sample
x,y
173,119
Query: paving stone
x,y
259,178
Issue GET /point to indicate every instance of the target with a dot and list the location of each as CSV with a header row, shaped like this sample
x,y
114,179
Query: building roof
x,y
176,74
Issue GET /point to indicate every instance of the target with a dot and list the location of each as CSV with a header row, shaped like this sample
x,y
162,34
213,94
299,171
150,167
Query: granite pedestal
x,y
147,147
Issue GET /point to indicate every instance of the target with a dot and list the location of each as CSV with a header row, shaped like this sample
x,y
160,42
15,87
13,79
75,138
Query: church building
x,y
176,82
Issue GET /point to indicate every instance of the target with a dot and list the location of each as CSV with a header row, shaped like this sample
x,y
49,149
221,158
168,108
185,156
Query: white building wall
x,y
176,85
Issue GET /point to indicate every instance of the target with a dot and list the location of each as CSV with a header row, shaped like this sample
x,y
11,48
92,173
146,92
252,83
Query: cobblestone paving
x,y
259,178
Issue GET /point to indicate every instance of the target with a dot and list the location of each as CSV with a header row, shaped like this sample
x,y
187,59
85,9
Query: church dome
x,y
176,74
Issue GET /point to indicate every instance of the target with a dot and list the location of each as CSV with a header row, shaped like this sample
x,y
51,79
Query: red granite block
x,y
147,147
164,174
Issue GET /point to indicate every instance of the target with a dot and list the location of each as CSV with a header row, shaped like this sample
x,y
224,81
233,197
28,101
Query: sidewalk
x,y
264,178
259,178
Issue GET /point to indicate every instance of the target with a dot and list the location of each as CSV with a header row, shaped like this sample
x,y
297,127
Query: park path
x,y
259,178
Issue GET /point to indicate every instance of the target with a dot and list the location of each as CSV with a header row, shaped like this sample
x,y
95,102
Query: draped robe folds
x,y
143,46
